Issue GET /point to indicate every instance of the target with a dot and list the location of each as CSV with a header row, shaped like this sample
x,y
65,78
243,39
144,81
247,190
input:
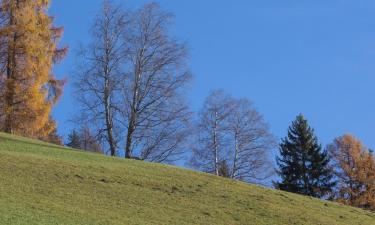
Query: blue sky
x,y
288,57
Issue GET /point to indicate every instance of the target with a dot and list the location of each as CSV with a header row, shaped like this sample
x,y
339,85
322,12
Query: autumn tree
x,y
303,165
53,137
355,171
232,139
28,51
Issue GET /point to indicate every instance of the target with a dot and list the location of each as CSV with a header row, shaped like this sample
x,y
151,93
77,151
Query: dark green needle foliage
x,y
74,140
303,165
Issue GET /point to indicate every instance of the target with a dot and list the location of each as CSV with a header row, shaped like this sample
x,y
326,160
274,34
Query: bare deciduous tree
x,y
231,131
211,132
101,72
131,83
156,116
84,139
251,143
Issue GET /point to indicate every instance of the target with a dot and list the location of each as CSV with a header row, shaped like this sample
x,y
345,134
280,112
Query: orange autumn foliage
x,y
28,51
355,170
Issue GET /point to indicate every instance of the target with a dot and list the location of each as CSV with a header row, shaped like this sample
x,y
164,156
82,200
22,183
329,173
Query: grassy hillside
x,y
45,184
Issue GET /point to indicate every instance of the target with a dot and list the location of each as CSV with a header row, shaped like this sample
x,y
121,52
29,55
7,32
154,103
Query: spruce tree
x,y
74,140
303,165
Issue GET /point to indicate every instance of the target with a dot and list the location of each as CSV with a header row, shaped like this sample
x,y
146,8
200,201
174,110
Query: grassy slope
x,y
45,184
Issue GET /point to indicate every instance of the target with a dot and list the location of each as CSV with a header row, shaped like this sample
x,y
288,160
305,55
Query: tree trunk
x,y
133,115
108,119
10,85
107,100
216,146
235,156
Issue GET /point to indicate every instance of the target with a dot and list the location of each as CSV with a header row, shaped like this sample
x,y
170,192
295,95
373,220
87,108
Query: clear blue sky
x,y
288,57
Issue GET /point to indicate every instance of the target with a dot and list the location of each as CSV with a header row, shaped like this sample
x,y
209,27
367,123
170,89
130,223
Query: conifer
x,y
303,165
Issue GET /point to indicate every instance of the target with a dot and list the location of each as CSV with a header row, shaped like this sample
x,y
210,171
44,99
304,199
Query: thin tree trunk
x,y
108,119
10,86
107,99
133,113
131,128
216,146
235,156
305,178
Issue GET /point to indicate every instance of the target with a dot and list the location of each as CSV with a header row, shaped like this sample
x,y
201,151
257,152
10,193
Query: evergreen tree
x,y
74,140
303,165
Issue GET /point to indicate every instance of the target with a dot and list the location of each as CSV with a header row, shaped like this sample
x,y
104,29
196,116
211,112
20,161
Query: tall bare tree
x,y
101,72
212,132
251,143
131,83
234,136
155,114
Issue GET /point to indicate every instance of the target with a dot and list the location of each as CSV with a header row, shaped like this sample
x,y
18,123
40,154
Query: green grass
x,y
46,184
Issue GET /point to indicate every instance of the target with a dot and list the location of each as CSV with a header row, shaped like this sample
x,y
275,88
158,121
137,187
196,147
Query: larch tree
x,y
28,51
355,172
303,165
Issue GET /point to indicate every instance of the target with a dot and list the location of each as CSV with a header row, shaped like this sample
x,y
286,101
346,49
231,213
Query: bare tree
x,y
84,139
131,83
155,114
251,143
101,72
89,141
212,132
232,133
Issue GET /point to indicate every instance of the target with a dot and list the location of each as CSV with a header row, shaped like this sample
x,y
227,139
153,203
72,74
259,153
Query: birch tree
x,y
155,114
131,83
251,142
212,132
100,73
233,139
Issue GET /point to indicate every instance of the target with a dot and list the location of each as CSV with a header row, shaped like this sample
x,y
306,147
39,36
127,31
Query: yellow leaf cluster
x,y
356,172
29,90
